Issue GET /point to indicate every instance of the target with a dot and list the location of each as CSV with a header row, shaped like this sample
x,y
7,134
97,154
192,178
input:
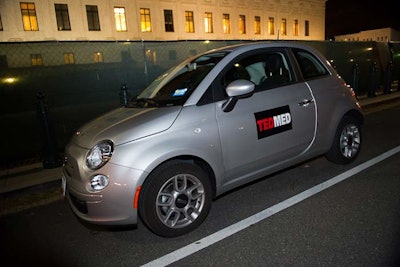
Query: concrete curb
x,y
368,101
31,176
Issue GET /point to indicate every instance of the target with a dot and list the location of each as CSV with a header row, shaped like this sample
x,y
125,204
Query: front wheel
x,y
175,198
347,141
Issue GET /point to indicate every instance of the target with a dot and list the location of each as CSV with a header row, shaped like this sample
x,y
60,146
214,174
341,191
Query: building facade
x,y
377,35
161,20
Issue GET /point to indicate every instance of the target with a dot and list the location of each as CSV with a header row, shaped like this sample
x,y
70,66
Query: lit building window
x,y
62,17
189,21
93,18
168,20
283,27
120,19
307,28
208,22
29,18
69,58
145,20
296,27
98,57
36,60
271,26
242,24
257,25
226,23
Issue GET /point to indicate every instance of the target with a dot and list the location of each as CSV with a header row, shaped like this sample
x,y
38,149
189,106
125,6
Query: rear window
x,y
310,66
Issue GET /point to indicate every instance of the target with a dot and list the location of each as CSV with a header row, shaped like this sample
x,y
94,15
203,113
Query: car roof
x,y
242,47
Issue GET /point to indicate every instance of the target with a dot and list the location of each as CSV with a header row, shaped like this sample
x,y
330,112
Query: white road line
x,y
243,224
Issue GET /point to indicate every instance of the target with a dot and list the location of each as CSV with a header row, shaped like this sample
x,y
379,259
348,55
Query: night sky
x,y
352,16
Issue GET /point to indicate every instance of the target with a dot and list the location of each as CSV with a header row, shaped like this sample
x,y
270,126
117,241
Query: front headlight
x,y
99,155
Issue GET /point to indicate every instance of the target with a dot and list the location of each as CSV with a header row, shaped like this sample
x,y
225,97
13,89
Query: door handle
x,y
306,102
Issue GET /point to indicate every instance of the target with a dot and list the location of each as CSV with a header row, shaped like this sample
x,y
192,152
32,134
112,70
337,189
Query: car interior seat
x,y
275,71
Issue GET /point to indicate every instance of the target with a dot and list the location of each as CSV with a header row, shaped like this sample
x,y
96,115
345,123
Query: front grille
x,y
80,205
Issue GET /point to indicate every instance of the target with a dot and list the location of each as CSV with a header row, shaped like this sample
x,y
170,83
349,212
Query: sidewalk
x,y
34,174
27,176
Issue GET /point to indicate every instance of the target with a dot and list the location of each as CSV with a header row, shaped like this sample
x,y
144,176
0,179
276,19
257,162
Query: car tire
x,y
347,141
175,198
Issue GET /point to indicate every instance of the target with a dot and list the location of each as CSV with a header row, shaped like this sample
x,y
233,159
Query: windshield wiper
x,y
143,102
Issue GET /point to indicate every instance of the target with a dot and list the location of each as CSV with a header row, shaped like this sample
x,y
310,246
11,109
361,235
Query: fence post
x,y
388,80
124,96
145,63
50,157
355,78
371,92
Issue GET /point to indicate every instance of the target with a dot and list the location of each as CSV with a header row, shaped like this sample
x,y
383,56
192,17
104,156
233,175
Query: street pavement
x,y
35,174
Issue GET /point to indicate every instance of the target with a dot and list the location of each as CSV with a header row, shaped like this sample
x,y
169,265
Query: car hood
x,y
125,124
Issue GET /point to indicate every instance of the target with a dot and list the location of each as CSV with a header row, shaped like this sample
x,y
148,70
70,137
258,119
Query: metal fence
x,y
77,81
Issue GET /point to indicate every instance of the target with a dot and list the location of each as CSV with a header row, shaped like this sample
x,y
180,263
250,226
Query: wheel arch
x,y
335,124
204,165
336,154
355,114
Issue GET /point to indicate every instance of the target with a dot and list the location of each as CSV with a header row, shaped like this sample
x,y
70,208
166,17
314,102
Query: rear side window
x,y
310,66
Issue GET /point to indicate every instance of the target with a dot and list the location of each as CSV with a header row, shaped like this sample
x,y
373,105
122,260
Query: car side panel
x,y
334,100
251,147
194,134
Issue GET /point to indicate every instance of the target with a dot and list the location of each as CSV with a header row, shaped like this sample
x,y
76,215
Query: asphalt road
x,y
314,214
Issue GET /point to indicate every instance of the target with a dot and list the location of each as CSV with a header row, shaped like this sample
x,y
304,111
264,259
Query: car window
x,y
175,85
266,70
310,66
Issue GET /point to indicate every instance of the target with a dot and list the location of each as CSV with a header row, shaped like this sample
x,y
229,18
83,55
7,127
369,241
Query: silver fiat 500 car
x,y
216,121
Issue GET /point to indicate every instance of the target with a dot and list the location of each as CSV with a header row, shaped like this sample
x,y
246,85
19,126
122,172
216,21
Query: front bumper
x,y
114,205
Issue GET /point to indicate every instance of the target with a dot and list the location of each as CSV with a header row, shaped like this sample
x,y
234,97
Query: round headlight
x,y
99,155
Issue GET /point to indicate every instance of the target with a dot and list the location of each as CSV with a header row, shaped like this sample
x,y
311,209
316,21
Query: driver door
x,y
276,124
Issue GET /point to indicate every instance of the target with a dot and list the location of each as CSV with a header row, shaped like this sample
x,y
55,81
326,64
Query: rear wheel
x,y
175,199
347,142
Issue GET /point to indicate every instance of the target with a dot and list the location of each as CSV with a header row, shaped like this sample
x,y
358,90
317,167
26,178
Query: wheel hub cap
x,y
350,141
180,201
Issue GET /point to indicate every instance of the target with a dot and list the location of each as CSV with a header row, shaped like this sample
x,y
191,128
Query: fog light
x,y
98,182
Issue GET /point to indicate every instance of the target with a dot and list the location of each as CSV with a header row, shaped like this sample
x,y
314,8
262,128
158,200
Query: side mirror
x,y
236,90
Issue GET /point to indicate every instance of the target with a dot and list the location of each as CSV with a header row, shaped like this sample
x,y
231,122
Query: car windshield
x,y
174,86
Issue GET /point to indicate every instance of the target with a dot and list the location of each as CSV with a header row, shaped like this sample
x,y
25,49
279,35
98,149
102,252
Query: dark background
x,y
352,16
